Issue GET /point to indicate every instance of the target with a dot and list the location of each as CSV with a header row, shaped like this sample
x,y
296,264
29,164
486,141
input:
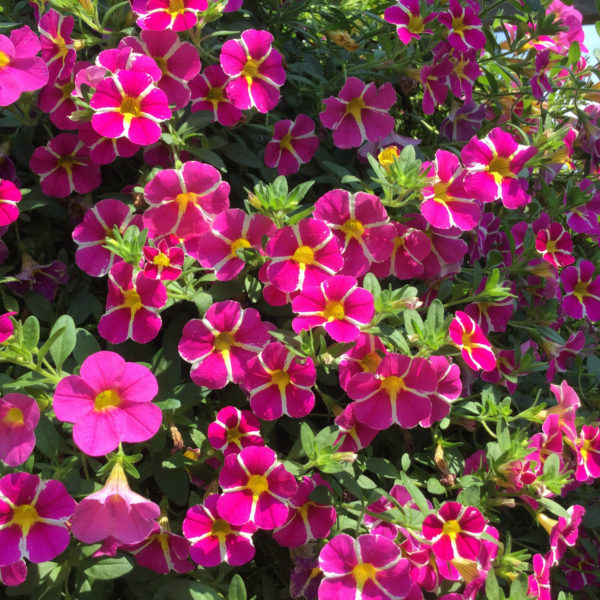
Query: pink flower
x,y
398,392
256,488
58,49
128,104
302,254
539,582
64,167
19,416
364,356
307,520
448,389
368,568
582,291
474,346
434,79
464,26
20,69
132,306
491,316
359,113
454,531
294,143
255,69
231,231
305,578
109,402
406,15
115,511
566,408
555,245
214,539
15,574
338,304
178,15
43,279
184,201
163,261
104,150
233,430
9,196
208,93
361,225
561,356
98,223
220,344
278,382
33,516
7,327
355,435
588,454
563,533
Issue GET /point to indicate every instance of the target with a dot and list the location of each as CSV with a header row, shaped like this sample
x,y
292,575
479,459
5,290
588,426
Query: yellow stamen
x,y
4,60
221,528
258,484
286,142
13,418
66,162
499,167
223,342
161,260
237,244
184,199
132,300
25,516
334,311
370,362
355,106
305,255
107,399
451,528
130,107
362,573
353,228
393,384
250,69
280,378
215,95
415,24
176,7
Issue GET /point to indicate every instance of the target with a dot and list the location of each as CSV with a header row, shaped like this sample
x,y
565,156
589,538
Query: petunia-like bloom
x,y
563,533
216,540
305,578
178,15
7,327
98,224
14,574
20,69
294,143
64,167
109,402
104,150
19,416
128,104
256,488
455,531
588,454
163,261
231,231
364,356
303,254
582,291
233,430
362,226
434,79
43,279
9,196
367,568
132,306
491,316
115,511
255,70
475,348
33,518
448,389
208,93
338,304
360,112
464,26
410,24
493,165
539,583
446,203
355,435
463,122
555,245
278,382
220,344
184,201
566,408
307,520
398,392
58,49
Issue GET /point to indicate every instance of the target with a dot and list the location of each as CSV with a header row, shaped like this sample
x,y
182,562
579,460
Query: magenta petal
x,y
45,542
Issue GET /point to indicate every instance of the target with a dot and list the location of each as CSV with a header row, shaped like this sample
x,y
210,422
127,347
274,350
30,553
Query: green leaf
x,y
366,483
110,568
186,589
554,507
85,345
435,315
371,284
518,588
415,493
31,332
64,344
237,589
47,439
307,438
203,301
492,589
382,467
175,483
574,53
435,487
39,306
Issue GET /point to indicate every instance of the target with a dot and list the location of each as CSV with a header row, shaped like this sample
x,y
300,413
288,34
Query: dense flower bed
x,y
301,300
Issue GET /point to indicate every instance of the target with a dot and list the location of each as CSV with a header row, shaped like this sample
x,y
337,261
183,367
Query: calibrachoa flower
x,y
7,327
464,26
132,306
256,488
455,531
307,520
255,70
109,402
365,355
582,291
233,430
463,122
305,578
178,15
115,511
338,304
104,150
563,533
355,435
434,79
14,574
588,454
214,539
19,416
476,350
278,382
359,113
448,389
208,93
9,196
410,24
184,201
220,344
555,245
58,49
64,167
294,143
128,104
33,516
370,567
163,261
43,279
539,582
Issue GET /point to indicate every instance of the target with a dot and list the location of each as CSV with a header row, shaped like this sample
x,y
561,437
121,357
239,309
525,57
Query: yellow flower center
x,y
415,24
220,528
354,107
250,69
59,42
286,142
161,260
184,199
258,484
215,95
585,449
580,289
393,384
223,342
280,378
370,362
458,24
387,156
66,162
237,244
233,435
130,107
13,418
440,192
304,255
499,167
176,7
161,61
67,89
334,310
353,228
25,516
362,573
451,528
4,60
106,400
551,247
132,300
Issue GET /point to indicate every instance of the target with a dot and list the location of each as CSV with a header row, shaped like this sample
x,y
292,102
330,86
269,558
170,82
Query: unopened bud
x,y
175,436
440,461
344,457
88,6
546,522
79,44
254,201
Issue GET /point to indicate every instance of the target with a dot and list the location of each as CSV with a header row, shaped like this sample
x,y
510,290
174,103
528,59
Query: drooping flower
x,y
233,430
475,348
109,402
563,533
158,15
132,306
278,382
255,70
256,488
33,518
566,408
360,112
209,93
582,291
338,304
464,26
555,245
19,416
115,511
163,261
294,143
561,356
410,24
43,279
9,196
220,344
216,540
58,49
305,579
494,315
